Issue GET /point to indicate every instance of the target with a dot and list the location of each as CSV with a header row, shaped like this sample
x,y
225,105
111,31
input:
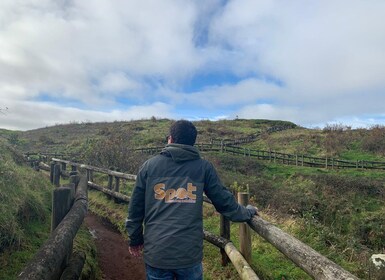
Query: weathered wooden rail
x,y
310,261
55,259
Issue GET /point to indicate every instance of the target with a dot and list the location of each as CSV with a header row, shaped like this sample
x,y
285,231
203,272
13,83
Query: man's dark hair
x,y
183,132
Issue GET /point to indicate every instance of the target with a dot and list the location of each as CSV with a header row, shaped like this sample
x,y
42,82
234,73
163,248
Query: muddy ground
x,y
113,256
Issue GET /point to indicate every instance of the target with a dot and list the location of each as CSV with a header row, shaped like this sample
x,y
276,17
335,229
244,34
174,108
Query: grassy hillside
x,y
340,213
25,205
25,216
72,137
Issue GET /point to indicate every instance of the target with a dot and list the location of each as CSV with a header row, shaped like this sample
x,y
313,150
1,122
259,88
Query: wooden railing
x,y
310,261
55,259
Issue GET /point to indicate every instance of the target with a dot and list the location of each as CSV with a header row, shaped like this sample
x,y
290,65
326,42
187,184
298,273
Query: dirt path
x,y
113,256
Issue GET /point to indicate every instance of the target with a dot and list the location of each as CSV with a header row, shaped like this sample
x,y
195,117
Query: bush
x,y
337,138
374,140
114,151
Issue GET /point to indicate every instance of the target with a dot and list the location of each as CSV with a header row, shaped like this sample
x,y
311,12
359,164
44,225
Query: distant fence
x,y
313,263
304,160
281,158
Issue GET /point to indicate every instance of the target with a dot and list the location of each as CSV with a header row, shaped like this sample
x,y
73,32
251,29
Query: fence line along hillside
x,y
232,146
280,158
304,160
310,261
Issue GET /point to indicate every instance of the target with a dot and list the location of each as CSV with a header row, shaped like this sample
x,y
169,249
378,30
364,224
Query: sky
x,y
310,62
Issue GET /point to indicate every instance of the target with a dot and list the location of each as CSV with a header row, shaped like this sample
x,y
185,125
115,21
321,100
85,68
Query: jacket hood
x,y
180,152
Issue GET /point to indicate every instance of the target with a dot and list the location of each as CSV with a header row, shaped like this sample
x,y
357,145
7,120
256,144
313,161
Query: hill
x,y
141,133
338,212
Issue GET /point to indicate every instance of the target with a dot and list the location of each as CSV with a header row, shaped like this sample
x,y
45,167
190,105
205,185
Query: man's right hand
x,y
253,210
136,251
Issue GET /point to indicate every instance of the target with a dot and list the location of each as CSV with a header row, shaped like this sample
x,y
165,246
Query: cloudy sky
x,y
310,62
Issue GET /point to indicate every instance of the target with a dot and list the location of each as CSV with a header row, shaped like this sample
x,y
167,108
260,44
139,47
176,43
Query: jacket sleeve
x,y
223,200
134,221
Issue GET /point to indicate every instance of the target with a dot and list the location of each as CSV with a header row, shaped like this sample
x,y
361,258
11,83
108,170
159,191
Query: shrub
x,y
336,138
374,140
114,151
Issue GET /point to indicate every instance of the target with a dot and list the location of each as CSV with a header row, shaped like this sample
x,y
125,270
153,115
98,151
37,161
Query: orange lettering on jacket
x,y
171,195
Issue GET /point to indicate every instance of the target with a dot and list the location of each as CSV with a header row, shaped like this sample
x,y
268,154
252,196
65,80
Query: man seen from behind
x,y
165,219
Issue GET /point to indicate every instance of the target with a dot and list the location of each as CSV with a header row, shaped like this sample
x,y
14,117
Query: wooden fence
x,y
310,261
304,160
281,158
55,259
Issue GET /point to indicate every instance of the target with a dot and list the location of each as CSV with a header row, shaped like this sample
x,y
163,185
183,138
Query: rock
x,y
377,267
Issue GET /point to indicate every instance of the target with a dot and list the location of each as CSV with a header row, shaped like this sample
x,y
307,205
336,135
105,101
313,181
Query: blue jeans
x,y
190,273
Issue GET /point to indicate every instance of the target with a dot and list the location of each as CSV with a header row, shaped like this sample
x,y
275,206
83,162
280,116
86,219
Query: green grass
x,y
13,260
83,242
25,206
339,212
25,218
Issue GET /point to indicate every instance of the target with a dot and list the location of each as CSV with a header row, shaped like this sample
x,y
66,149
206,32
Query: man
x,y
167,200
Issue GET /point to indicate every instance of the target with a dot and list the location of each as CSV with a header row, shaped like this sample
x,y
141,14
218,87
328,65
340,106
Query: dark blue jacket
x,y
165,211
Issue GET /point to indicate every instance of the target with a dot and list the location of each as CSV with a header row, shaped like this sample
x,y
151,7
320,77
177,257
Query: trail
x,y
112,252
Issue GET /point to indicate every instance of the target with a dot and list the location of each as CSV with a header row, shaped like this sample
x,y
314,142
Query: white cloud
x,y
315,48
117,83
24,115
310,62
245,92
268,111
63,50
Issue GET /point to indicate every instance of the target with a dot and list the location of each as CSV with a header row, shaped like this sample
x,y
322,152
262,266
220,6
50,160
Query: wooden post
x,y
63,166
117,184
110,180
52,167
88,174
36,165
56,175
74,178
91,175
225,233
62,199
326,162
244,230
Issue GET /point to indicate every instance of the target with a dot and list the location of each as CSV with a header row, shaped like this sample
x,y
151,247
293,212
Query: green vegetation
x,y
83,242
25,220
25,205
338,212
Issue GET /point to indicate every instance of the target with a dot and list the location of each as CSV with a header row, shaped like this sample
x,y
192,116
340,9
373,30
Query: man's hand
x,y
136,251
253,210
